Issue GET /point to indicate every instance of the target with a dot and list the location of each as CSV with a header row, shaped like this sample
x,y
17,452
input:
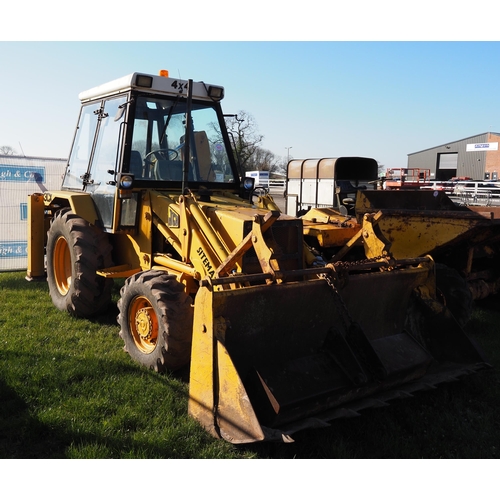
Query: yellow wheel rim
x,y
62,265
143,324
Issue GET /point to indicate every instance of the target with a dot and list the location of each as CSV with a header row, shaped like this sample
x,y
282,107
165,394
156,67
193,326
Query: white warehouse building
x,y
20,176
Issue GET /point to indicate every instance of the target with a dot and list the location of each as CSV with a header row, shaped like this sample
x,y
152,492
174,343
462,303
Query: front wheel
x,y
156,320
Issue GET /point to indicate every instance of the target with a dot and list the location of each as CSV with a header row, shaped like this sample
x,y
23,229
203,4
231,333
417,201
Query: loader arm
x,y
254,238
187,224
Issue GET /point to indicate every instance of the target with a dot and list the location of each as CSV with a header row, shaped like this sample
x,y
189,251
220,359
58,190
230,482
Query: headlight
x,y
126,181
248,183
144,81
216,93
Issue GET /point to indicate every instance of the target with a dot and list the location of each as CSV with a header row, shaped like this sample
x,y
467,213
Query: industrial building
x,y
476,157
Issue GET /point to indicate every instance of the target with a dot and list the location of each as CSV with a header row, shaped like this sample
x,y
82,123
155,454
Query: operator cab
x,y
137,130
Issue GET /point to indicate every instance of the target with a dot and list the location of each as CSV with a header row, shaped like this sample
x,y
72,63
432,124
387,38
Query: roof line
x,y
24,157
445,143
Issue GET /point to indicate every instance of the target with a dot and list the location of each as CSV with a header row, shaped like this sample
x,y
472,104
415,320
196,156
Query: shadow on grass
x,y
490,303
454,421
457,420
17,282
84,434
22,435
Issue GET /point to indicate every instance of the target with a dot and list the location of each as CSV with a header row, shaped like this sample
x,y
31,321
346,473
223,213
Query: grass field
x,y
68,390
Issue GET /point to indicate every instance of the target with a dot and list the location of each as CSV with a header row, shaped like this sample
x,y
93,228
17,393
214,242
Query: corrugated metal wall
x,y
20,176
469,164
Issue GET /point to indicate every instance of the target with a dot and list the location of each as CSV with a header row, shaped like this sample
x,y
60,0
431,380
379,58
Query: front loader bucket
x,y
268,360
423,222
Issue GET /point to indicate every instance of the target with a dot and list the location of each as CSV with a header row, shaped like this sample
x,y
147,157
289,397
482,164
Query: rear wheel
x,y
156,320
452,291
455,293
75,251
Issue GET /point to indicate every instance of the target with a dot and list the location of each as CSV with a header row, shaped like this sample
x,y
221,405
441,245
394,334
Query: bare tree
x,y
7,150
281,164
243,130
262,159
246,140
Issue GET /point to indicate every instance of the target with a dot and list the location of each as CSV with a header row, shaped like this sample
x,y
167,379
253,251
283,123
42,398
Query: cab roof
x,y
162,85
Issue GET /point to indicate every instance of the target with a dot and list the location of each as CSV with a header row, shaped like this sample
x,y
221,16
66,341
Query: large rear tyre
x,y
75,251
455,293
156,320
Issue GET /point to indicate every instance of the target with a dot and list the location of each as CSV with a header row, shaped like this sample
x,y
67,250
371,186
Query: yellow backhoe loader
x,y
276,339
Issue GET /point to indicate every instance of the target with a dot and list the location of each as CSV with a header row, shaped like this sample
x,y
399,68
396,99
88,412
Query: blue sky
x,y
319,98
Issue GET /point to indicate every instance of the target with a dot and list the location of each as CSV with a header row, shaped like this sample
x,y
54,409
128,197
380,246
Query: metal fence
x,y
471,193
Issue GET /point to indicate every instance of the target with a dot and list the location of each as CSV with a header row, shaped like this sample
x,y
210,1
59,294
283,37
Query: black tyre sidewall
x,y
455,293
57,230
89,294
173,308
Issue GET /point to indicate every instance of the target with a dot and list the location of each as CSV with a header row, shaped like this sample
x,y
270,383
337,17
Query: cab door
x,y
106,158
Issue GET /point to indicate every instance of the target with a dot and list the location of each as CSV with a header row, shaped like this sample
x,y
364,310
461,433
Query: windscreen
x,y
159,137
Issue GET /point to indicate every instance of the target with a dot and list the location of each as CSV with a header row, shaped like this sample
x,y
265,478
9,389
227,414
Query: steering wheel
x,y
163,154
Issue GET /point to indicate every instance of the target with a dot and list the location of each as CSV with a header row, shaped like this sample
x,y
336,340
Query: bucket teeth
x,y
378,403
394,394
345,413
368,403
405,394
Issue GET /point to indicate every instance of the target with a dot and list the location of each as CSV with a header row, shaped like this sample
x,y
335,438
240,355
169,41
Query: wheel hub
x,y
144,323
62,266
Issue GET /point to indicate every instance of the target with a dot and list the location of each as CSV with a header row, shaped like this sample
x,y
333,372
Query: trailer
x,y
327,182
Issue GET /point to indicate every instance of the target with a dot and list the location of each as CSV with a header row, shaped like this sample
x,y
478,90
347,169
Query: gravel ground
x,y
277,194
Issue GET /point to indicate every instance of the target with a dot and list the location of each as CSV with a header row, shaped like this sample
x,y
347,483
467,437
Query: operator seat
x,y
136,164
204,157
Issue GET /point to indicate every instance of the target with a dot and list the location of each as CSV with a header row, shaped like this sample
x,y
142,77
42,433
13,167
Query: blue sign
x,y
14,173
13,249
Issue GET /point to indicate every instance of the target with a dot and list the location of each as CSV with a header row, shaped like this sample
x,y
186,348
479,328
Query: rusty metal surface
x,y
378,301
417,222
489,212
403,200
307,358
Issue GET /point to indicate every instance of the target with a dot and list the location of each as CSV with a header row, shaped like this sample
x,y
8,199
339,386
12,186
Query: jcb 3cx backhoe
x,y
276,340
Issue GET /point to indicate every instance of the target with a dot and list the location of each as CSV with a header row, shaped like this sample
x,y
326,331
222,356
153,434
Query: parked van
x,y
261,178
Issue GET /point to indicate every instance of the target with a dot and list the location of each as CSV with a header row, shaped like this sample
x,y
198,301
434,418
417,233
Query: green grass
x,y
68,390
